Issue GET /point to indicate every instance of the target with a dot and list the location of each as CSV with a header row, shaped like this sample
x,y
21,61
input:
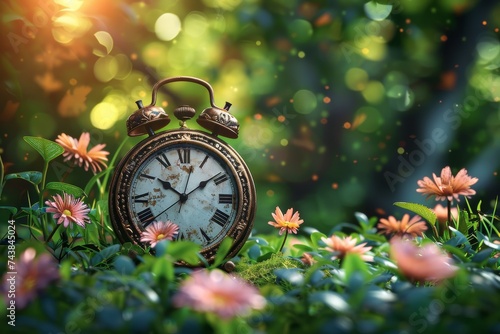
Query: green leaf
x,y
67,188
185,251
303,247
354,264
316,238
124,265
331,299
293,276
105,254
463,219
420,210
33,177
482,256
163,268
12,209
491,244
458,240
48,149
224,248
361,218
456,251
385,262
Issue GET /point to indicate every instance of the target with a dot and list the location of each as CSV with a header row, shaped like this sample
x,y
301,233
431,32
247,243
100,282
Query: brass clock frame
x,y
127,226
218,121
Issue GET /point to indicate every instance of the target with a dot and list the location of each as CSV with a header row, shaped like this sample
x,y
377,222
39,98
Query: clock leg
x,y
229,266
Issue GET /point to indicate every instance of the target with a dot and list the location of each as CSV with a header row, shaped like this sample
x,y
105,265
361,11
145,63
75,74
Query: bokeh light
x,y
304,101
356,79
167,26
106,68
104,115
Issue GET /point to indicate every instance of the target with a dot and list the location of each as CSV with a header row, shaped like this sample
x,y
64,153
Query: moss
x,y
262,273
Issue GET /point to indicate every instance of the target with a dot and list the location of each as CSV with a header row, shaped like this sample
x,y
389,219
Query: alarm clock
x,y
190,177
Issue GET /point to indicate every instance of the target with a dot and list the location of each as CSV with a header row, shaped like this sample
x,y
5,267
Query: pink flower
x,y
68,210
159,231
421,264
33,275
76,150
289,222
414,227
342,246
447,186
217,292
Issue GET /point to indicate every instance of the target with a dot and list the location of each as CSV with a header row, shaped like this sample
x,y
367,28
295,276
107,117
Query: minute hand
x,y
203,183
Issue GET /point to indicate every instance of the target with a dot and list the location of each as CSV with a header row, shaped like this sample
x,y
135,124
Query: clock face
x,y
188,185
190,178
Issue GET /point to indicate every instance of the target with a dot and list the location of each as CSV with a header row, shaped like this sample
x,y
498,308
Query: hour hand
x,y
168,186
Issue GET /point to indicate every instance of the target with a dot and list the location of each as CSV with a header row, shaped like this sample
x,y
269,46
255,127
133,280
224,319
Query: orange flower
x,y
307,259
421,264
341,246
289,222
414,227
447,186
76,150
442,213
159,231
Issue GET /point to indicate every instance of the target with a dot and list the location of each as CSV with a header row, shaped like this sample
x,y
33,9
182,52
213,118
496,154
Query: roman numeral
x,y
220,218
205,236
225,198
204,160
138,199
184,155
181,236
148,176
219,179
145,216
163,160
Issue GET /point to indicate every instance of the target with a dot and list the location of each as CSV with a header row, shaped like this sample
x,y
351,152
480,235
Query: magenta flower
x,y
218,293
68,210
159,231
33,275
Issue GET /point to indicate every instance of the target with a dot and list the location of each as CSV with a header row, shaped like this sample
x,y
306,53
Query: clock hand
x,y
203,183
167,186
184,197
153,218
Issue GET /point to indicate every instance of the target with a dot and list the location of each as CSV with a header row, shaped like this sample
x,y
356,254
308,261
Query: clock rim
x,y
246,208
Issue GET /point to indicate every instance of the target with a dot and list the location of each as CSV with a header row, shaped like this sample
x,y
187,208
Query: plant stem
x,y
449,212
101,189
284,240
40,195
52,234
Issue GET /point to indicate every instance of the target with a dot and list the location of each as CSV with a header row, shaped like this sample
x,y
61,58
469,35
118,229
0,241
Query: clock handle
x,y
218,120
184,78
